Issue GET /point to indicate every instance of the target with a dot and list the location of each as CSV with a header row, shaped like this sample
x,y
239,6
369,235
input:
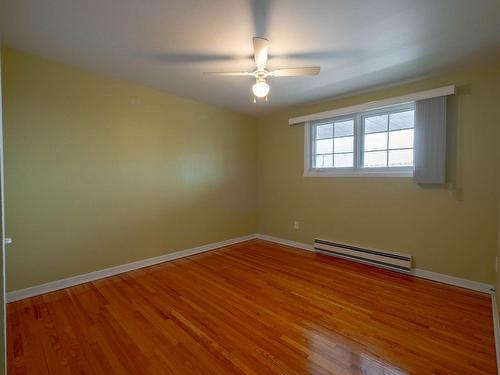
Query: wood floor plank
x,y
254,308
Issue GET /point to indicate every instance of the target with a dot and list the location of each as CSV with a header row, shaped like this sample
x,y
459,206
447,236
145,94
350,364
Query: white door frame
x,y
3,325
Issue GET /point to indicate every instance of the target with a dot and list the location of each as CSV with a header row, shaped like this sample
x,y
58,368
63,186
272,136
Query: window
x,y
388,139
334,144
377,142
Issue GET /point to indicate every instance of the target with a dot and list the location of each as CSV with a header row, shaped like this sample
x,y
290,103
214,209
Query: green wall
x,y
497,283
101,172
2,247
450,231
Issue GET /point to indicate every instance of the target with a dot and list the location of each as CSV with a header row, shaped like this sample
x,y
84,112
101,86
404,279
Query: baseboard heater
x,y
393,261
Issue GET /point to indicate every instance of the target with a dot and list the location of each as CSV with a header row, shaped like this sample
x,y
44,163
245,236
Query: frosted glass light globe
x,y
260,89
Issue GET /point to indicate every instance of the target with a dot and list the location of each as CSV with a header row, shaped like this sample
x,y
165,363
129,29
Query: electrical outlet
x,y
296,225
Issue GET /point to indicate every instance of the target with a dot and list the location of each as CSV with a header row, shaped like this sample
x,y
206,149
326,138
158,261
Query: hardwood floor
x,y
254,308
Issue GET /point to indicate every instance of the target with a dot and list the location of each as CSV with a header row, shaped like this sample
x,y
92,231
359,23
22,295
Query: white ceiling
x,y
167,44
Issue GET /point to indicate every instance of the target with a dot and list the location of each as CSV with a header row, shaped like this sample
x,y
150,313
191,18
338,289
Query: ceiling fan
x,y
261,87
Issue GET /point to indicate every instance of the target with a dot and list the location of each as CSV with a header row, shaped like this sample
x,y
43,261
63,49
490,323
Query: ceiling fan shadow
x,y
193,57
332,54
260,16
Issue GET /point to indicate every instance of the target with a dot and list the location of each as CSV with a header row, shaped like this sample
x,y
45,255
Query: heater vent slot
x,y
393,261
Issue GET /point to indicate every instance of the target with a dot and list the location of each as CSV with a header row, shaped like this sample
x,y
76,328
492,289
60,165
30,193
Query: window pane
x,y
324,161
376,141
344,144
344,128
343,160
400,158
375,159
324,146
324,131
401,139
375,124
401,120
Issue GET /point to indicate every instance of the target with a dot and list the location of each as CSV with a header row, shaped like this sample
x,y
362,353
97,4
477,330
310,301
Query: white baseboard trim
x,y
452,280
107,272
424,274
496,327
282,241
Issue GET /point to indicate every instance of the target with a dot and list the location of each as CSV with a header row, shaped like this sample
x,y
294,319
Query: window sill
x,y
400,172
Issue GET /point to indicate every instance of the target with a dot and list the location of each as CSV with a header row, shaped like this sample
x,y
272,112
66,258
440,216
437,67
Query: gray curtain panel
x,y
430,141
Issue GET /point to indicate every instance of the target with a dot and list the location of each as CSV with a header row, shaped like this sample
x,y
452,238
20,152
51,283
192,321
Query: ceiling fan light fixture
x,y
260,89
260,52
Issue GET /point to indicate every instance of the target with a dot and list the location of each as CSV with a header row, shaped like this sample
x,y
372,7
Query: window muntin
x,y
333,144
376,141
388,139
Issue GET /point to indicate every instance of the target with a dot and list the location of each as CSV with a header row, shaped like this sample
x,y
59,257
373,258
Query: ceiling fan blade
x,y
229,73
292,72
260,50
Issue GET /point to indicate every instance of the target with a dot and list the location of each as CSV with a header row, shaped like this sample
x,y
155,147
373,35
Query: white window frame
x,y
358,170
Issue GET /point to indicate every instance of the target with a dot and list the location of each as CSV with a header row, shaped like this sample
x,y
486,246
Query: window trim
x,y
416,96
357,170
